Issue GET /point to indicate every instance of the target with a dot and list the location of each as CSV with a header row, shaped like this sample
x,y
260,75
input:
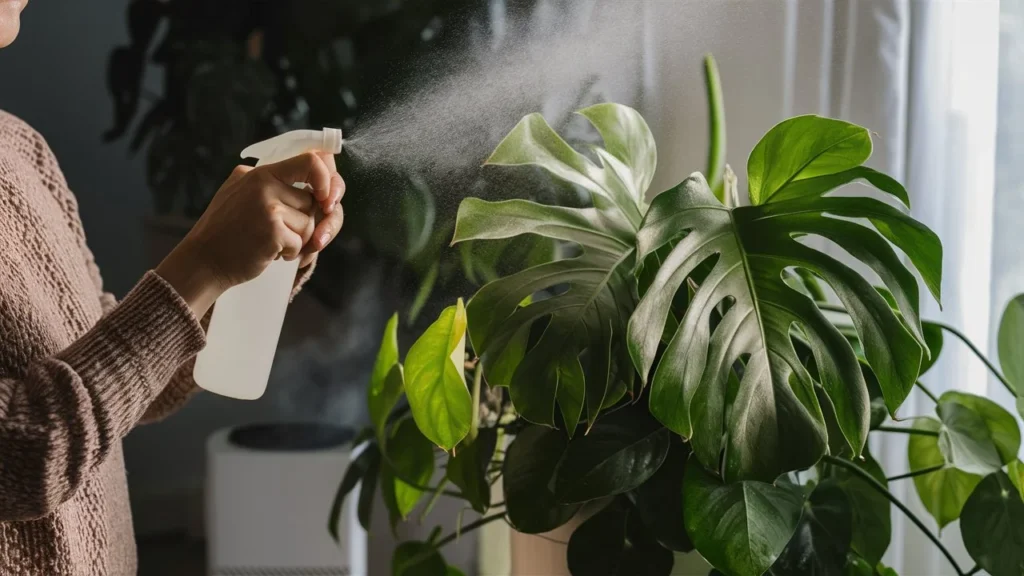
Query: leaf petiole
x,y
920,472
907,431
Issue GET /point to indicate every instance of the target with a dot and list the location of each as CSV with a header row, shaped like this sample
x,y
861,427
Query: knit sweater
x,y
77,372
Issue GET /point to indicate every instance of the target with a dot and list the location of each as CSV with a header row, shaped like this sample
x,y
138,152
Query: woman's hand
x,y
256,217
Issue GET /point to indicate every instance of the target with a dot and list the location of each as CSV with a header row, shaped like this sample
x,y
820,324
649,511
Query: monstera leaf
x,y
579,360
743,317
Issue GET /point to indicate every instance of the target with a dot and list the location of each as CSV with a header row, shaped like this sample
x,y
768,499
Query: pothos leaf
x,y
1011,346
752,246
435,385
417,559
386,380
409,466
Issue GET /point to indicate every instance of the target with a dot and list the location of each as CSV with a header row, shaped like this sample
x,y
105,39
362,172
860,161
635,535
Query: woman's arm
x,y
60,420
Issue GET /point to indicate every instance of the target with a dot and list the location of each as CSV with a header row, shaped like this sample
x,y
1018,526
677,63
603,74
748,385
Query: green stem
x,y
991,367
907,431
920,472
975,570
883,491
927,392
469,528
474,421
433,499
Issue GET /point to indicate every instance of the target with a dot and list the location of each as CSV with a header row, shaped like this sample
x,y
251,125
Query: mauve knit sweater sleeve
x,y
61,417
181,387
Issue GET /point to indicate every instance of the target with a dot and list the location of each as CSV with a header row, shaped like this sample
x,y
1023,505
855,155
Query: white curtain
x,y
923,76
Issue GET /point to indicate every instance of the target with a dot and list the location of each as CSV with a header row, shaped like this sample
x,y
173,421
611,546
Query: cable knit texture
x,y
77,372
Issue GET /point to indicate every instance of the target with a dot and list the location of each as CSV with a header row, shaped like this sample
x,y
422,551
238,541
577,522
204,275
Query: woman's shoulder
x,y
19,139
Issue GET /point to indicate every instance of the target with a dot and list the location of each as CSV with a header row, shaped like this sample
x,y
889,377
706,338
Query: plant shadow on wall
x,y
695,370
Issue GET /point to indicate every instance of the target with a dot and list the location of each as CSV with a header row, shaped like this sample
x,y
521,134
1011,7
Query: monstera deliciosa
x,y
692,374
587,320
744,316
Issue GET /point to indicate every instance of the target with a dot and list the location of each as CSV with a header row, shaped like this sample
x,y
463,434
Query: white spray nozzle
x,y
289,144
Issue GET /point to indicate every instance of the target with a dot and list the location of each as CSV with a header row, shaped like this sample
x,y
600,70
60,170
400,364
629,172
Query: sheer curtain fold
x,y
923,75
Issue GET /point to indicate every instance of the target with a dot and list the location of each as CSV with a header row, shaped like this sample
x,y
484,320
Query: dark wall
x,y
53,78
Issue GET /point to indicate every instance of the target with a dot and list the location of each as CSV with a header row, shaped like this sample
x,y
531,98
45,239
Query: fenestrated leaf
x,y
410,464
741,527
801,148
871,511
435,386
618,454
468,469
822,538
933,338
992,525
611,185
587,319
415,558
977,435
823,184
752,246
1011,346
528,470
614,542
944,491
659,501
355,472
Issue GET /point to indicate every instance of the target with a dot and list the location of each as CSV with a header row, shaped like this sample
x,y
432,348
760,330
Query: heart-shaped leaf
x,y
616,543
409,466
468,469
752,246
822,539
588,319
992,525
528,470
977,435
387,379
659,501
620,453
741,527
943,492
437,391
802,148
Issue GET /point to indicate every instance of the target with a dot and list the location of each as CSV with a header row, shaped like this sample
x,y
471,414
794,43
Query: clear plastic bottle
x,y
246,324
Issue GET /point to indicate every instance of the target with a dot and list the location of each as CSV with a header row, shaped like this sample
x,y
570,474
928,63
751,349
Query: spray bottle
x,y
247,319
